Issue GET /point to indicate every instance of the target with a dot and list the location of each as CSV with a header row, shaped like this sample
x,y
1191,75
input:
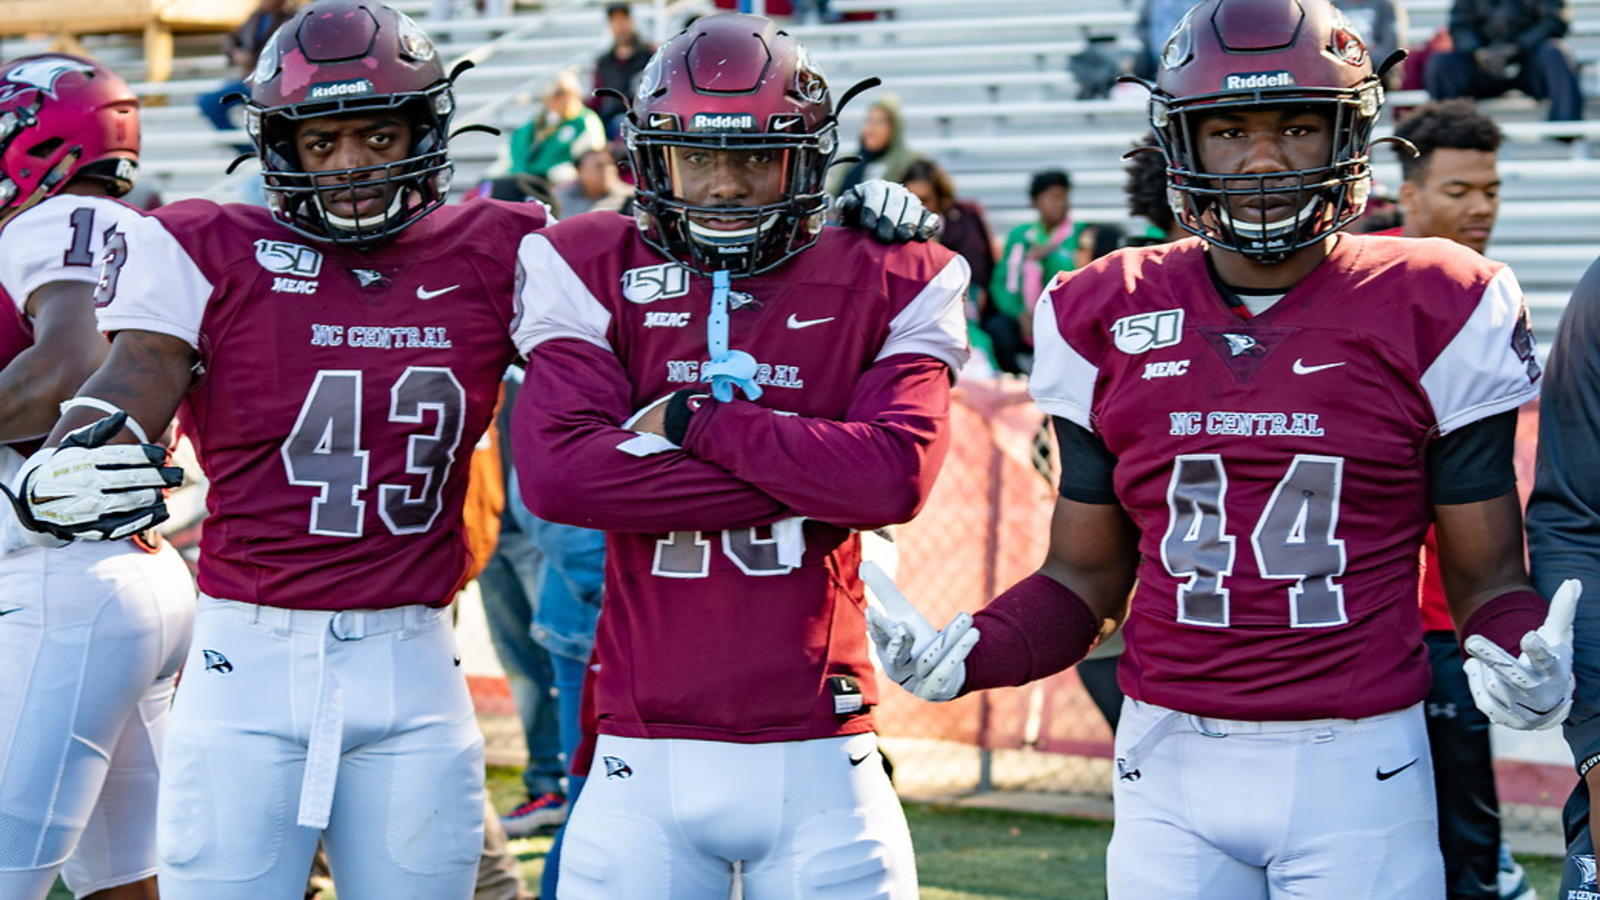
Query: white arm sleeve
x,y
934,323
1490,366
1062,381
552,301
61,239
152,284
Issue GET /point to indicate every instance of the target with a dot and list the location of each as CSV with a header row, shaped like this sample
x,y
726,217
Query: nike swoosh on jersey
x,y
797,323
425,294
1300,368
1385,776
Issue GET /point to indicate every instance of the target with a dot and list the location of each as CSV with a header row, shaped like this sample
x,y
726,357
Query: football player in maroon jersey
x,y
729,707
1258,425
90,635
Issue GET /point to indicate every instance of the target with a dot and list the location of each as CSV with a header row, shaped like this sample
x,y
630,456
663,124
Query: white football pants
x,y
666,819
355,727
91,636
1325,809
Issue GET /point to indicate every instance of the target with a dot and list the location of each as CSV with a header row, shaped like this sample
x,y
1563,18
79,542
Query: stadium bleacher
x,y
985,91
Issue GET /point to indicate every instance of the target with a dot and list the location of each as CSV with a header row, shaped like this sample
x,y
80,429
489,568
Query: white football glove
x,y
87,489
888,212
1534,690
931,664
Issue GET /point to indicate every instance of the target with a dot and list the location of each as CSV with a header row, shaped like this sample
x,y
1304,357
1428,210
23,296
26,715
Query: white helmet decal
x,y
40,74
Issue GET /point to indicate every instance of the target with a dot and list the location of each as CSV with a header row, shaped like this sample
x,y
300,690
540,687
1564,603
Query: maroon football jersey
x,y
341,392
1275,466
725,617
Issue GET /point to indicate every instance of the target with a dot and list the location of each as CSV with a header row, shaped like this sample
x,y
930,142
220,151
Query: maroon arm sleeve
x,y
564,439
1034,630
872,469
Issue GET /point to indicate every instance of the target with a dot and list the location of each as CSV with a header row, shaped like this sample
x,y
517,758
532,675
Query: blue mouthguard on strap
x,y
728,369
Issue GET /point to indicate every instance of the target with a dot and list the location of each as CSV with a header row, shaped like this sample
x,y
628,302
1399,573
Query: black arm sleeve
x,y
1564,511
1475,462
1086,464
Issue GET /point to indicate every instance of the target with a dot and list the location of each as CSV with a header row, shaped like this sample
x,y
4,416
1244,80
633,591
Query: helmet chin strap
x,y
1263,230
714,236
344,224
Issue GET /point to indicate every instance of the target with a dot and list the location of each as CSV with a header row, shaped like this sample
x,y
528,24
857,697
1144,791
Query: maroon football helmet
x,y
62,117
731,82
1230,55
350,57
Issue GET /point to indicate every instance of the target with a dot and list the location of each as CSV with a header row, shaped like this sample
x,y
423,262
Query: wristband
x,y
680,409
1586,765
1506,618
1037,628
110,409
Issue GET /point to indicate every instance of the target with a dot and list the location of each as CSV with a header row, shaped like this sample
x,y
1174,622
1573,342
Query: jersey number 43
x,y
324,449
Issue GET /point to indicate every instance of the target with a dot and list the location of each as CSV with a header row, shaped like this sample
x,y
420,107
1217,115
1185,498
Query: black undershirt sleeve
x,y
1475,462
1086,464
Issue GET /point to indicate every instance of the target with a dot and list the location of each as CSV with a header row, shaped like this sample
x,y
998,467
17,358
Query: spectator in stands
x,y
1382,23
1034,252
510,585
597,187
810,11
441,10
242,46
1505,44
966,231
549,145
1156,21
1451,189
1146,189
1098,240
883,152
618,68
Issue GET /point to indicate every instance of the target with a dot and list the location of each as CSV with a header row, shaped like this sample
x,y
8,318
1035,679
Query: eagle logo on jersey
x,y
216,662
1587,874
370,277
40,75
1243,345
617,768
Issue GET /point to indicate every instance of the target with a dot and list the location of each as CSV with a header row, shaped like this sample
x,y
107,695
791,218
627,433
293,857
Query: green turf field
x,y
966,854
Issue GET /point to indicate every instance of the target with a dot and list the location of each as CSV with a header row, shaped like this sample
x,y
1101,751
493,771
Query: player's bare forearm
x,y
145,374
66,349
1480,552
565,439
874,468
1094,550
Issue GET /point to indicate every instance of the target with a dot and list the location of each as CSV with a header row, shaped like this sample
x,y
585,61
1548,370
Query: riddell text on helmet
x,y
1255,80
